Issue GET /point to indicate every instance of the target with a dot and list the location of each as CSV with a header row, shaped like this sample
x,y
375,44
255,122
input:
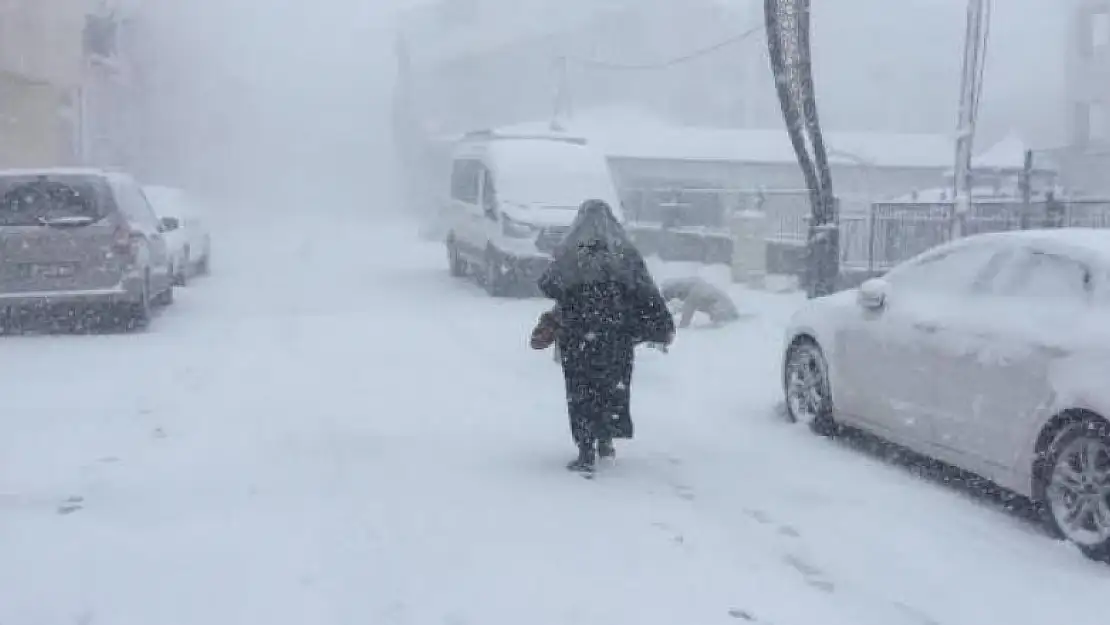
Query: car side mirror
x,y
168,224
872,294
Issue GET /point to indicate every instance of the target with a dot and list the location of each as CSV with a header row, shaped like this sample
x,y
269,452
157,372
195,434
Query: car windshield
x,y
48,200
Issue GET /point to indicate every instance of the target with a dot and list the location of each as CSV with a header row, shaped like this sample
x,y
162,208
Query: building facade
x,y
67,92
1086,158
40,82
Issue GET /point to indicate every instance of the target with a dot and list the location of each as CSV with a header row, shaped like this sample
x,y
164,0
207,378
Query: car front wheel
x,y
806,387
1076,487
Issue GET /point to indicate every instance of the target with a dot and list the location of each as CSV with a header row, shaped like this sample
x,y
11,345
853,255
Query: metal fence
x,y
895,232
694,224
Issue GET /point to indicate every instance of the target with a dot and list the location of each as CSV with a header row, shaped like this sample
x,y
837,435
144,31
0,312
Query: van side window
x,y
466,180
489,195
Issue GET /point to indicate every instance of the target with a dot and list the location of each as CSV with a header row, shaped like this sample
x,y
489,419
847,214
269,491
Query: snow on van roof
x,y
551,172
54,171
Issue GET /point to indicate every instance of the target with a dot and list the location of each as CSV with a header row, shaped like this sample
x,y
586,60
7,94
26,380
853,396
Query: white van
x,y
513,198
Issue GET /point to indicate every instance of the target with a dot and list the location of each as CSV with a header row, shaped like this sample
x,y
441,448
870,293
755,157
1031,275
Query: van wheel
x,y
165,298
455,263
203,265
495,282
181,274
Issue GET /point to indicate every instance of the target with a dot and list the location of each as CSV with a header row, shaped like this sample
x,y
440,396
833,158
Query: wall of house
x,y
858,181
40,73
41,39
32,134
1088,74
1085,160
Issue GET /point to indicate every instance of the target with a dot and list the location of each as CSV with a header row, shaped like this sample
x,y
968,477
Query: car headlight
x,y
516,229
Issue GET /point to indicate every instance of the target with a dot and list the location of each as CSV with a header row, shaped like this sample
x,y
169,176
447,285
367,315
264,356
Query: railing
x,y
694,224
899,231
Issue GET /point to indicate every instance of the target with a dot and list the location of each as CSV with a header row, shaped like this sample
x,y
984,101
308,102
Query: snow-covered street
x,y
331,430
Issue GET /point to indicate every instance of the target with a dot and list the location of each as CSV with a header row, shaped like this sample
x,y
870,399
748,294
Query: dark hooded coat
x,y
607,304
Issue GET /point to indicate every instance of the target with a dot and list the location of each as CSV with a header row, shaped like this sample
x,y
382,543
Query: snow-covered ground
x,y
330,430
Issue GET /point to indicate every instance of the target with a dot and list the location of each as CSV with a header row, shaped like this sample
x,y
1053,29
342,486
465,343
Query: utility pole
x,y
561,107
788,26
970,88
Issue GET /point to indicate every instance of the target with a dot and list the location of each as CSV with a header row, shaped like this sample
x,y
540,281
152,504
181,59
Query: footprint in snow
x,y
71,505
763,518
759,515
812,575
917,615
789,532
685,492
675,535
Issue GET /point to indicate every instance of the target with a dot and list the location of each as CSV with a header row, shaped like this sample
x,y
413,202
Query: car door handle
x,y
928,328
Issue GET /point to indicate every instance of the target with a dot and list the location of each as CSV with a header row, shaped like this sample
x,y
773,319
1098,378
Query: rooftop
x,y
630,133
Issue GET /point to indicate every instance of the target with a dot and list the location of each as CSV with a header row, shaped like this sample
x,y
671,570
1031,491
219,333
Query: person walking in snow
x,y
606,304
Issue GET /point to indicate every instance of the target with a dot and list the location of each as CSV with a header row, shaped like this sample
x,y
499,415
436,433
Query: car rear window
x,y
50,200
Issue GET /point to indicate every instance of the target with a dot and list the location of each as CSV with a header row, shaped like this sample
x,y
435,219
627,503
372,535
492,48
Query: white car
x,y
190,245
991,354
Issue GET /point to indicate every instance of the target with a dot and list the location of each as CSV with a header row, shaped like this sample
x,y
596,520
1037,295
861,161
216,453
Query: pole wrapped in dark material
x,y
788,44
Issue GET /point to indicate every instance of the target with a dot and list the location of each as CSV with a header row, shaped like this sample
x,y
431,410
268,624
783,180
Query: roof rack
x,y
493,135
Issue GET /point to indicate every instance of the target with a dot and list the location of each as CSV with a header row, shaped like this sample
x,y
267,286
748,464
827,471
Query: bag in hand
x,y
543,336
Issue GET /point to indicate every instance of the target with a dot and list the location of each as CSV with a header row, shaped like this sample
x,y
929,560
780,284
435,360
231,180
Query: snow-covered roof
x,y
633,134
1009,153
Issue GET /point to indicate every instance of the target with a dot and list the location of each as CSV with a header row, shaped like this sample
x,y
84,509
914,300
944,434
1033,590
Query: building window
x,y
1091,123
1081,124
1100,31
100,35
1096,122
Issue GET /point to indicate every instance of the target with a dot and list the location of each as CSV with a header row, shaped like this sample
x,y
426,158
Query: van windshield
x,y
551,174
48,201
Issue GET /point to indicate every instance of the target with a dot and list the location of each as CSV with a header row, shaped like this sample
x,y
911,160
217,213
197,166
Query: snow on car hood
x,y
546,214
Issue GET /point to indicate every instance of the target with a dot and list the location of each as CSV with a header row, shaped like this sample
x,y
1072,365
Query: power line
x,y
671,62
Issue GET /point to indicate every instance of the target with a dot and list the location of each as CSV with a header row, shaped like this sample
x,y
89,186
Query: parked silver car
x,y
81,239
189,245
990,354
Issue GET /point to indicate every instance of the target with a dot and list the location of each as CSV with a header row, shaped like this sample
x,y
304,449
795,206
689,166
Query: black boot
x,y
605,448
585,460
